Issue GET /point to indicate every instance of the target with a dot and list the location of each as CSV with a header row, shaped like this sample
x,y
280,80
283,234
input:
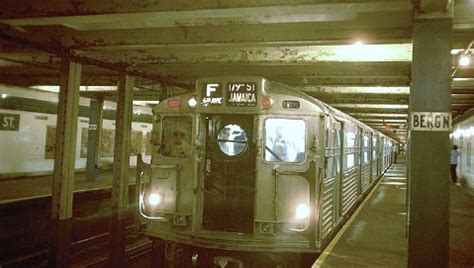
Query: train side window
x,y
285,140
350,161
366,149
374,148
330,168
176,137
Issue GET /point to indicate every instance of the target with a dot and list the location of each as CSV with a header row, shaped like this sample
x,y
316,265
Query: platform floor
x,y
28,187
375,236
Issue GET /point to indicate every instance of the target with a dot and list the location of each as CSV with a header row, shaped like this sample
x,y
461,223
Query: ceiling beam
x,y
123,14
258,35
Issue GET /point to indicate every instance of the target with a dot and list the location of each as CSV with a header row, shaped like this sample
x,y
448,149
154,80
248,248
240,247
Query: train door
x,y
339,139
361,159
371,176
332,176
229,173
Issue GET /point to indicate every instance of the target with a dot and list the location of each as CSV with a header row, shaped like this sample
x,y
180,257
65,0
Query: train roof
x,y
277,91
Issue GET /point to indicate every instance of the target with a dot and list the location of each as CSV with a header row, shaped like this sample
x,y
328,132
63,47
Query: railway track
x,y
24,230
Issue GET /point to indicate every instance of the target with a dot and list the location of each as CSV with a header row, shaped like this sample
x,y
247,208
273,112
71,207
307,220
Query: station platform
x,y
376,234
38,186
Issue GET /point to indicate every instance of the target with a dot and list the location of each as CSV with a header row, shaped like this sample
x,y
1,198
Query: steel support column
x,y
120,170
64,164
93,140
428,239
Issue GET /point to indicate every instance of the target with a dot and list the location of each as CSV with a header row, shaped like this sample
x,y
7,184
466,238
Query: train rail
x,y
24,225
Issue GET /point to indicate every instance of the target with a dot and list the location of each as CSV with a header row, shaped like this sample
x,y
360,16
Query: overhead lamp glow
x,y
192,102
302,211
464,60
358,44
154,199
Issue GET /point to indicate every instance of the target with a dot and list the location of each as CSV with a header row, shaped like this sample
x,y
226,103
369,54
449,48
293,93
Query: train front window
x,y
232,140
176,138
284,140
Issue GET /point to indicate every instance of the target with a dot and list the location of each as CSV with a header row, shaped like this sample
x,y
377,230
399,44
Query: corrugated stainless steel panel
x,y
349,189
327,206
365,181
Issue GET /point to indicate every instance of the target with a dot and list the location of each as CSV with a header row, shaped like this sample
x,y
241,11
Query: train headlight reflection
x,y
302,211
154,199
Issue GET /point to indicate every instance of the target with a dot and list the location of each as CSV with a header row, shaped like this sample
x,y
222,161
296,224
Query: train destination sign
x,y
242,94
211,94
10,122
430,121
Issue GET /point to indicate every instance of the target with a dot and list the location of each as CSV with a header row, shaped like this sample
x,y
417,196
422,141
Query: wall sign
x,y
430,121
211,94
242,94
10,122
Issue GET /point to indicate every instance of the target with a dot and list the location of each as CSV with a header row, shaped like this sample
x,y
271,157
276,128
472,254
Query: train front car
x,y
236,169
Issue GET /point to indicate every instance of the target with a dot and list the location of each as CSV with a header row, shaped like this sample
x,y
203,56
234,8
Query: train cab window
x,y
284,140
232,140
176,138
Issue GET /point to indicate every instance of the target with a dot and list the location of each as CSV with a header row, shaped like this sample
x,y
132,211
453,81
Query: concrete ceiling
x,y
308,44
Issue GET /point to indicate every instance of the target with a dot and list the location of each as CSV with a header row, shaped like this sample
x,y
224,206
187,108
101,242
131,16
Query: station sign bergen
x,y
431,121
10,122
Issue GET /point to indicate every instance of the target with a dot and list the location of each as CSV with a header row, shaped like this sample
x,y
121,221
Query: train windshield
x,y
176,139
284,140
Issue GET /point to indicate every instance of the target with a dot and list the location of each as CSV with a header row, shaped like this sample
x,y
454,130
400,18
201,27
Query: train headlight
x,y
302,211
154,199
192,102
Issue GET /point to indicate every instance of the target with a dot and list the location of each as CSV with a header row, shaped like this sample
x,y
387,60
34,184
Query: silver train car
x,y
245,166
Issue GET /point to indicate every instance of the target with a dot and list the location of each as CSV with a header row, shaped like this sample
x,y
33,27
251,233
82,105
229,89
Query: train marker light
x,y
4,95
154,199
192,102
302,211
174,103
267,102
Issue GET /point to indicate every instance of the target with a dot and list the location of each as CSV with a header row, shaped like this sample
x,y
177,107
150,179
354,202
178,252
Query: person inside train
x,y
239,142
179,147
279,146
224,141
454,163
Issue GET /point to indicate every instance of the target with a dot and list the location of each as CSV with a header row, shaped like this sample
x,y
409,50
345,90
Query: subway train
x,y
463,137
28,128
250,172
